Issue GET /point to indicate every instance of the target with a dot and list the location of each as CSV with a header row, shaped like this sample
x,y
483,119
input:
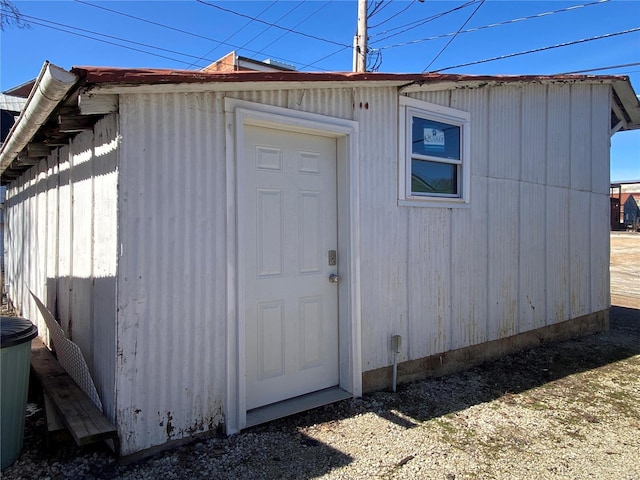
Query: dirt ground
x,y
625,269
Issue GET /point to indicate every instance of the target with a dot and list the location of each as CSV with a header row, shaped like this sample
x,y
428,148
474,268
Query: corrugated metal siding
x,y
428,286
383,227
600,292
600,140
172,271
476,102
104,255
39,263
557,254
53,179
55,243
505,115
172,298
580,134
504,242
524,137
470,269
579,252
531,313
80,328
65,252
558,135
533,134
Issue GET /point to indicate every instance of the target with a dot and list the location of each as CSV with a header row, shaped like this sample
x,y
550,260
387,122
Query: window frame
x,y
409,108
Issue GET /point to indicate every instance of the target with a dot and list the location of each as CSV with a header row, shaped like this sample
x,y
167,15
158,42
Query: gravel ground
x,y
561,410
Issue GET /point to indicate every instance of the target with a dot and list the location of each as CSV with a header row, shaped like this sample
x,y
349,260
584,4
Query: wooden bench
x,y
84,421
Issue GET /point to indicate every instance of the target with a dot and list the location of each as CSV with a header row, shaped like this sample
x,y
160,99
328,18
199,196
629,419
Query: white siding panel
x,y
80,320
557,268
52,235
476,102
55,205
532,300
442,97
429,281
470,269
579,252
63,304
12,237
600,211
581,137
558,137
534,134
600,139
505,132
104,256
39,262
339,103
503,225
172,271
30,240
383,230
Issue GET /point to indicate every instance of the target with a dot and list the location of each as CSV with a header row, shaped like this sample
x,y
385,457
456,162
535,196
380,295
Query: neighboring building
x,y
232,62
624,204
10,108
229,247
631,210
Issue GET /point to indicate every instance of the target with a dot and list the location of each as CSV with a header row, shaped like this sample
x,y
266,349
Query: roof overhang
x,y
60,106
50,88
626,100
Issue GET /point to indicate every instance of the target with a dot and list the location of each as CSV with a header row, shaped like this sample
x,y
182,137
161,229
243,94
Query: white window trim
x,y
411,106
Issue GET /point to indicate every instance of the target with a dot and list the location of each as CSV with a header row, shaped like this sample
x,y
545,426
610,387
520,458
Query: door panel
x,y
290,225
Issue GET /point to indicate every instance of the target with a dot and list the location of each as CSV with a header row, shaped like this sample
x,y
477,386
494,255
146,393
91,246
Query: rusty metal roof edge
x,y
141,76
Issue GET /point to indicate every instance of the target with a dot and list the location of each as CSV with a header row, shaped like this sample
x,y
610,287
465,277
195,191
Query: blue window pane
x,y
435,139
433,177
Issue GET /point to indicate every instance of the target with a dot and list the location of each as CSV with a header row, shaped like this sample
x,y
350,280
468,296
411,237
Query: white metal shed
x,y
226,248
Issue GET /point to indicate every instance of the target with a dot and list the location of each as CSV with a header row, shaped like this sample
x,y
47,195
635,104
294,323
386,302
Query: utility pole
x,y
360,40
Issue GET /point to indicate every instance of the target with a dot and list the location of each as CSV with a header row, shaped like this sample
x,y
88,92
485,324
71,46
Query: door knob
x,y
333,278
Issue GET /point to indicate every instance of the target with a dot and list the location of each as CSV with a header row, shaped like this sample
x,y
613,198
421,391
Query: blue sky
x,y
190,34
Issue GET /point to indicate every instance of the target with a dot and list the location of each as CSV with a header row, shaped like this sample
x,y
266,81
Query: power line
x,y
394,15
234,33
453,38
186,32
36,22
298,24
51,22
498,24
272,24
541,49
325,57
378,7
610,67
279,19
418,23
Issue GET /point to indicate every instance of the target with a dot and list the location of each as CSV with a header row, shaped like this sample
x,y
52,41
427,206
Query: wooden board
x,y
82,418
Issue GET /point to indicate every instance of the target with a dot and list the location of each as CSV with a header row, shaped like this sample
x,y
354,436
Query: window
x,y
434,155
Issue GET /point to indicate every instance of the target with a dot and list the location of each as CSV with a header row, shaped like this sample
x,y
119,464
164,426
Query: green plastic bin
x,y
15,357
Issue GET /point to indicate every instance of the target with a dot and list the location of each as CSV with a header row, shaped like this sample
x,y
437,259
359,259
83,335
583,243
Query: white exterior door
x,y
289,239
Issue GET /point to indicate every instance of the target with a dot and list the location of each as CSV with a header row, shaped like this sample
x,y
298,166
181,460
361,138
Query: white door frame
x,y
239,113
